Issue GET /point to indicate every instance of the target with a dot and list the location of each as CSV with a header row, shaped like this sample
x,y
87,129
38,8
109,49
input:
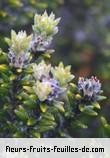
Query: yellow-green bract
x,y
62,74
45,25
19,43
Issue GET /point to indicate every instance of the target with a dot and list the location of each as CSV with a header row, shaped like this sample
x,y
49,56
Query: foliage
x,y
41,100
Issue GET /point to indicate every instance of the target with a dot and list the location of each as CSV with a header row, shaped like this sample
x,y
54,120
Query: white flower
x,y
41,70
45,25
19,45
42,90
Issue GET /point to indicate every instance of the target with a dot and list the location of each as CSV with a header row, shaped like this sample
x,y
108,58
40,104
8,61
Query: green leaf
x,y
100,98
13,77
73,87
8,41
59,106
29,70
30,103
33,97
107,126
44,122
35,134
21,113
31,122
19,70
48,116
28,89
5,77
80,124
48,54
81,107
89,111
3,68
96,105
103,121
78,97
46,128
43,107
3,57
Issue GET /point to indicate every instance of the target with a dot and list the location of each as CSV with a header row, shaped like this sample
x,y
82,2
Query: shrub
x,y
38,99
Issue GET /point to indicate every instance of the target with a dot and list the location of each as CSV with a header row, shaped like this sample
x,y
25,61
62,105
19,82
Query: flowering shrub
x,y
38,99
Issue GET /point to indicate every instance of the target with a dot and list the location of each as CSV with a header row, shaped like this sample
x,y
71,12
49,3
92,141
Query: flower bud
x,y
89,87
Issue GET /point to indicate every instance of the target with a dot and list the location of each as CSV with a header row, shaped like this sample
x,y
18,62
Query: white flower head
x,y
18,48
42,90
19,43
41,70
48,90
45,25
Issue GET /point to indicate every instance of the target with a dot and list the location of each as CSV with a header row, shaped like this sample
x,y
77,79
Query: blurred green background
x,y
84,34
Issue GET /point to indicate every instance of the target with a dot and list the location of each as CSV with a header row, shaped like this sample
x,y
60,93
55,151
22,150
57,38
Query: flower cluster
x,y
45,27
89,88
41,70
48,86
18,51
50,81
63,75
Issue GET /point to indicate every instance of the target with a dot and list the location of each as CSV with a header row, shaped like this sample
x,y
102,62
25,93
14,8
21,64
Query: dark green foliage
x,y
22,115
